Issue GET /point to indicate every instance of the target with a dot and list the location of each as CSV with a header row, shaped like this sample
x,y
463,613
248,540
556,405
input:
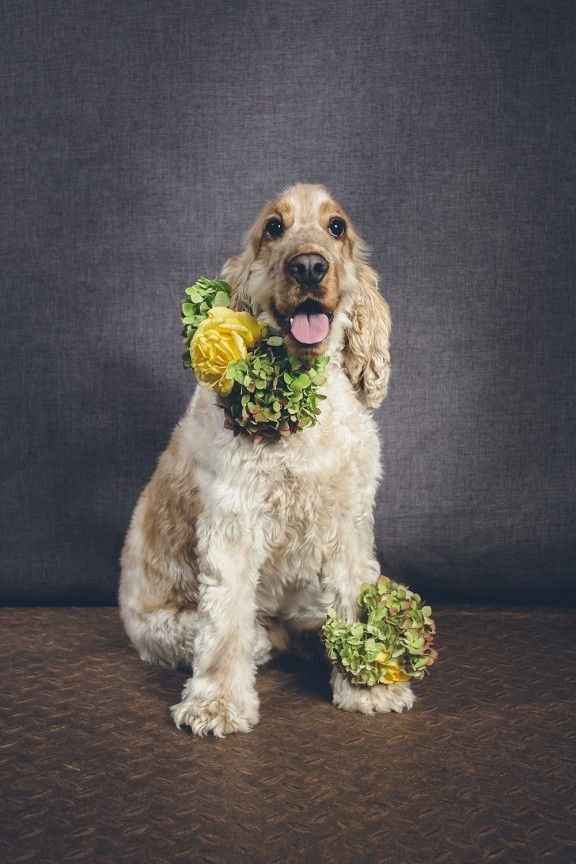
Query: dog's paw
x,y
214,714
371,700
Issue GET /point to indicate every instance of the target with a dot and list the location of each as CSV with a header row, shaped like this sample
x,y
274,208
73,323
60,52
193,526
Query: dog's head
x,y
304,271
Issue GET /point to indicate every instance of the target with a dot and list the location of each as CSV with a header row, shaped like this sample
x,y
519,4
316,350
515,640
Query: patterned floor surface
x,y
482,770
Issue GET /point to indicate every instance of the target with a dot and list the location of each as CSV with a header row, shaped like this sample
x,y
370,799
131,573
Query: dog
x,y
236,542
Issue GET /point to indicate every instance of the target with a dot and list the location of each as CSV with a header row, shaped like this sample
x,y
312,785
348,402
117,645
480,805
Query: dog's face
x,y
304,272
299,266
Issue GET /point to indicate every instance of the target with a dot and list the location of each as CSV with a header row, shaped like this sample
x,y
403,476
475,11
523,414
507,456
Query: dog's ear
x,y
366,353
235,272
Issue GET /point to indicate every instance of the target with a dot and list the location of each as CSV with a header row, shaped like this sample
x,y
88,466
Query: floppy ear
x,y
235,272
366,356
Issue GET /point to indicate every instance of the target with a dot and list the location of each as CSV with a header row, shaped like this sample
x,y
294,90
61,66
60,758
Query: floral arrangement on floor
x,y
391,644
264,390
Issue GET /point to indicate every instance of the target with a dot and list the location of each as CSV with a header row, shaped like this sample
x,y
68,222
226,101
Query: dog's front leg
x,y
220,698
343,575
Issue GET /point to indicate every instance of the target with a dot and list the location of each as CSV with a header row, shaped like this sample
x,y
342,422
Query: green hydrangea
x,y
200,298
393,641
275,393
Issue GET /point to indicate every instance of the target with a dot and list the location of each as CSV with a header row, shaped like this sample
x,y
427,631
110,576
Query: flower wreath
x,y
393,641
264,390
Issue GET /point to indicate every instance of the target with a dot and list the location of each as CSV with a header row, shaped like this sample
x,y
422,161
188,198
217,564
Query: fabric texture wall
x,y
139,139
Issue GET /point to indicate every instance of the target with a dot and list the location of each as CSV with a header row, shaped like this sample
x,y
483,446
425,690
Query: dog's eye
x,y
274,227
336,226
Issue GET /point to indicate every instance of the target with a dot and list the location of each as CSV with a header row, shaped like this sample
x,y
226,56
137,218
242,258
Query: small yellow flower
x,y
393,674
224,337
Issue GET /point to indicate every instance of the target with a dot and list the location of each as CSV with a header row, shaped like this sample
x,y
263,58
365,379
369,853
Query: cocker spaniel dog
x,y
235,542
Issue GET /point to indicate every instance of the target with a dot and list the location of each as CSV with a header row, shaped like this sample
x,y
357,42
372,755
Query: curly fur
x,y
234,543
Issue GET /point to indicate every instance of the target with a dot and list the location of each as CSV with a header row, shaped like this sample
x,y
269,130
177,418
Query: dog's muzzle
x,y
307,269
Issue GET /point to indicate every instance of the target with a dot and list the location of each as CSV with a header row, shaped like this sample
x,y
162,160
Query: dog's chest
x,y
298,492
310,490
298,521
302,501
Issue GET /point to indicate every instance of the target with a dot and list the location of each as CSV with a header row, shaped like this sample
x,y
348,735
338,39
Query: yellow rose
x,y
393,674
224,337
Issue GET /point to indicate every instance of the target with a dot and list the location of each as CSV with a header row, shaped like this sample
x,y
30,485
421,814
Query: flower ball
x,y
391,643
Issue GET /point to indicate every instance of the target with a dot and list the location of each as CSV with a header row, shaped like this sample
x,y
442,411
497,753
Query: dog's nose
x,y
307,269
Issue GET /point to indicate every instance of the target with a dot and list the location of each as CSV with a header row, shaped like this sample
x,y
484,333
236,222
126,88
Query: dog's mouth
x,y
309,323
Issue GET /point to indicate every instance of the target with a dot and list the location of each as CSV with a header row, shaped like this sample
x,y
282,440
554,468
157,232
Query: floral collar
x,y
264,391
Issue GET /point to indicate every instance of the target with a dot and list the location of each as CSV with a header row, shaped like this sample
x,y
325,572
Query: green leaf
x,y
234,374
195,295
222,298
301,381
275,341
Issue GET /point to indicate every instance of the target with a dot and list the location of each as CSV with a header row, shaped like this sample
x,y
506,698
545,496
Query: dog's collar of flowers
x,y
393,641
264,391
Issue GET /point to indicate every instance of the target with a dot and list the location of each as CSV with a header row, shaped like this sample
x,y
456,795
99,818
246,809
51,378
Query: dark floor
x,y
482,770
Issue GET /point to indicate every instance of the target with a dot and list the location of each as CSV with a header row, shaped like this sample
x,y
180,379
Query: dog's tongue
x,y
310,329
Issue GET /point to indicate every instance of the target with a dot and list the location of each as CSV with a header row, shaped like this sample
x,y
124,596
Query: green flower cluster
x,y
275,392
393,641
200,298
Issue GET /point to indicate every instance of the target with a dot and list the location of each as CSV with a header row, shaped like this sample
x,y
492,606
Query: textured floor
x,y
482,770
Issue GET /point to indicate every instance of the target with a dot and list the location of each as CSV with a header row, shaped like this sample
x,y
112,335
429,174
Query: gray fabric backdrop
x,y
139,139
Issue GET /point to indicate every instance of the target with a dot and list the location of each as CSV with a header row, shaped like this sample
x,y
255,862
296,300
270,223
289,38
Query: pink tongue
x,y
310,329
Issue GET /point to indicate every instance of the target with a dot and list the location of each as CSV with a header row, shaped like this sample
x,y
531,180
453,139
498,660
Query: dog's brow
x,y
283,209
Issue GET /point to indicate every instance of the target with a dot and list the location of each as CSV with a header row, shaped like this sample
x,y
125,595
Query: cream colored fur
x,y
231,537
